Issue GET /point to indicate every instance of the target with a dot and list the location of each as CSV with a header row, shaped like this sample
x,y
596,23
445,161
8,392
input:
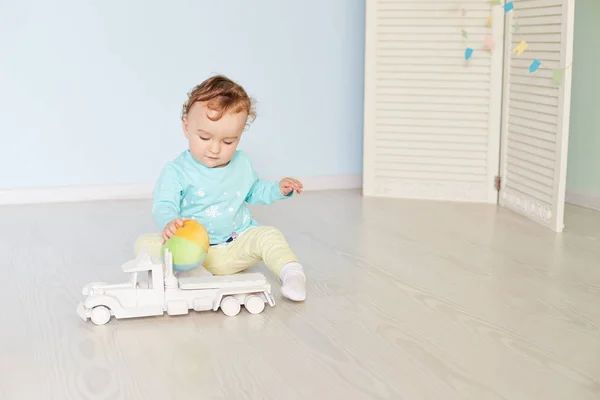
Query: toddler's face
x,y
213,143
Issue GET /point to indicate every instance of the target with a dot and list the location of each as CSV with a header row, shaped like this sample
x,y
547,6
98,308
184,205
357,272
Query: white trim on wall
x,y
583,199
144,191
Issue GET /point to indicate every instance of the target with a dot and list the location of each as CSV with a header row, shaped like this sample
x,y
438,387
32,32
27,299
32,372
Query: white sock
x,y
294,281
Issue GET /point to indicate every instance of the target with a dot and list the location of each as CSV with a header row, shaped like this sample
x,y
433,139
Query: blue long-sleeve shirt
x,y
215,197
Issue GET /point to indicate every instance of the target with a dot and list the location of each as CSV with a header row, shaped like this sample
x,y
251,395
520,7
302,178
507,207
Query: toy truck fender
x,y
102,300
248,292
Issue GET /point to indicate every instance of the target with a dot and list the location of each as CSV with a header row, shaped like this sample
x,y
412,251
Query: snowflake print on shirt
x,y
213,211
201,193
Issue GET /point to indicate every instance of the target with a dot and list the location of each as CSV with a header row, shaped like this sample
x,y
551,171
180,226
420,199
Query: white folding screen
x,y
536,110
439,126
432,117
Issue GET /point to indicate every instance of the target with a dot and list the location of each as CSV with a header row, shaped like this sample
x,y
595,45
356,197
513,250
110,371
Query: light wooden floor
x,y
407,300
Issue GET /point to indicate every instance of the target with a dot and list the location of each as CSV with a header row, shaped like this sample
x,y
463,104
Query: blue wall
x,y
91,91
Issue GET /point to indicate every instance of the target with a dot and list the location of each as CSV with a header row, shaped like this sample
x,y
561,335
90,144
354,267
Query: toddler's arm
x,y
167,197
264,192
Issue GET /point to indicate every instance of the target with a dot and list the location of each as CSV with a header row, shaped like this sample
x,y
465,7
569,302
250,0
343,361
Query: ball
x,y
189,246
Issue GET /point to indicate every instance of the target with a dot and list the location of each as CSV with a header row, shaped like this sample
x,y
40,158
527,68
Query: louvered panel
x,y
543,47
408,97
542,156
540,19
531,83
474,78
539,38
450,118
428,153
450,8
536,8
442,52
414,32
428,168
435,17
443,86
533,107
523,186
444,107
535,116
425,146
430,46
537,29
535,121
522,155
415,160
436,69
540,6
545,56
411,137
531,123
431,118
462,95
429,129
418,120
432,40
429,176
534,95
404,61
537,182
521,164
524,63
543,141
540,78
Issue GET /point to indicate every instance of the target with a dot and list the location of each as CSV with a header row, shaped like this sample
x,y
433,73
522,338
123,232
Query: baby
x,y
213,181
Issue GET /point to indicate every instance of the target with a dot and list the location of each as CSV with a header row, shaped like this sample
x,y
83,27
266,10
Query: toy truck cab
x,y
137,297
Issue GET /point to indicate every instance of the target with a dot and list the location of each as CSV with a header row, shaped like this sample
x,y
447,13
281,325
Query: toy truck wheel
x,y
254,304
230,306
100,315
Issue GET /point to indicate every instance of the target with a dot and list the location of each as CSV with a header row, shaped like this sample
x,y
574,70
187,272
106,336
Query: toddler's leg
x,y
198,271
269,244
228,260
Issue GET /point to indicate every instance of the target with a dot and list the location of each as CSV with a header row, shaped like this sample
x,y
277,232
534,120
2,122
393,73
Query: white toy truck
x,y
163,291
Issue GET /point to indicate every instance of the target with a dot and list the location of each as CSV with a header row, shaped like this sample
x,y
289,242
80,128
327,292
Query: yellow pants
x,y
260,243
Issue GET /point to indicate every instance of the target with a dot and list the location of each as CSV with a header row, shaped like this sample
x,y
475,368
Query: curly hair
x,y
222,95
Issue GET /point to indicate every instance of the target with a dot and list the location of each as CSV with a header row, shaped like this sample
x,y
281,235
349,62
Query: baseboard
x,y
583,199
143,191
68,194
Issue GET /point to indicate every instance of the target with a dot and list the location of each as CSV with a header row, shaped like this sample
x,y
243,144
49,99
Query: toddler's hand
x,y
171,228
288,185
